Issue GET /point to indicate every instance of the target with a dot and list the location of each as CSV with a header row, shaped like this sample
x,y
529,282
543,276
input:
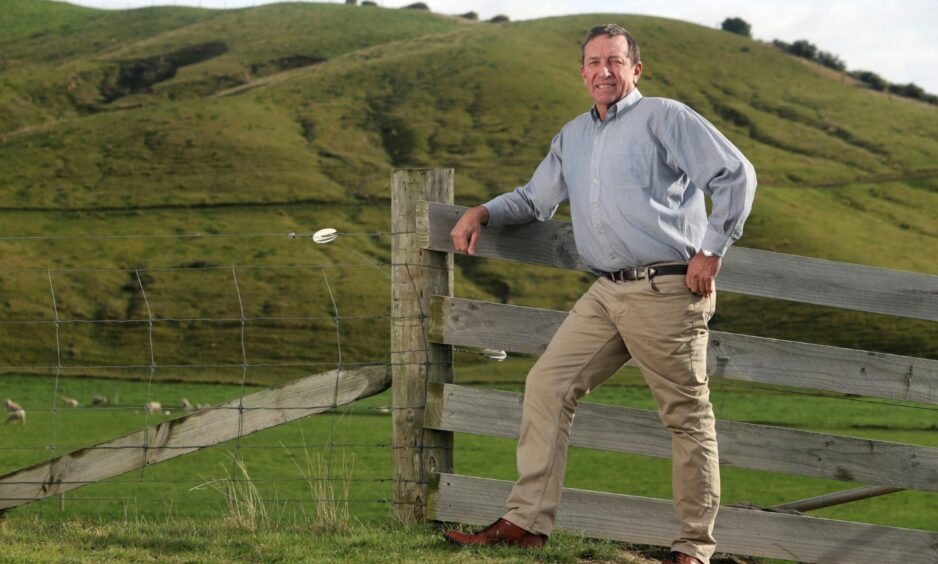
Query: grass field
x,y
200,540
242,126
359,439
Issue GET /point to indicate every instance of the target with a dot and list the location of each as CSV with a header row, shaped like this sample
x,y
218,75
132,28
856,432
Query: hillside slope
x,y
289,117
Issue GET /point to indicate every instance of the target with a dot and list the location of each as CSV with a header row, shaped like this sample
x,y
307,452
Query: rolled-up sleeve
x,y
718,168
536,200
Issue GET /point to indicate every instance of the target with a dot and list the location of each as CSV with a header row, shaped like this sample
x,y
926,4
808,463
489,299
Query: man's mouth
x,y
605,86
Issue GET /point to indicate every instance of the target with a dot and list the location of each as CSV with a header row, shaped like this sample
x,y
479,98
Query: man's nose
x,y
606,71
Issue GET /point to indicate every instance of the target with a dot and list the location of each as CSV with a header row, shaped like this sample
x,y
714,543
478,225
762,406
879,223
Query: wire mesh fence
x,y
96,353
93,350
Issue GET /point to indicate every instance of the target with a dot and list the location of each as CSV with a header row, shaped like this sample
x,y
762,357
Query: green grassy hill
x,y
290,117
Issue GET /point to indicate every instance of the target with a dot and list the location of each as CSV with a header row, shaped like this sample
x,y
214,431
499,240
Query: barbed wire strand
x,y
291,235
25,367
244,376
214,267
338,372
148,406
233,479
198,319
366,260
58,368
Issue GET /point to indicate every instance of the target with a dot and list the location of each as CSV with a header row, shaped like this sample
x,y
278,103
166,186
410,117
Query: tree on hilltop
x,y
871,79
831,60
803,48
738,26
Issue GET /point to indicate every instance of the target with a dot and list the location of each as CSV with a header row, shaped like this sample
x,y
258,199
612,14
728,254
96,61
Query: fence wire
x,y
65,422
337,318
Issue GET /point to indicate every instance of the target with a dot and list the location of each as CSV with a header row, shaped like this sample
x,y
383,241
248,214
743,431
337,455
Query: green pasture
x,y
351,448
215,540
154,161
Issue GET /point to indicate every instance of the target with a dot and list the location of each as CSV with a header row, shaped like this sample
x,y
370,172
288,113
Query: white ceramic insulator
x,y
495,354
326,235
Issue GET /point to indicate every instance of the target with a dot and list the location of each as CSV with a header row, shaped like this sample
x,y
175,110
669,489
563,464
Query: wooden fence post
x,y
417,275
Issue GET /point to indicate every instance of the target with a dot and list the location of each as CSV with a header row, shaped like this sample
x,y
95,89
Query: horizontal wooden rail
x,y
745,445
176,437
746,271
470,323
479,501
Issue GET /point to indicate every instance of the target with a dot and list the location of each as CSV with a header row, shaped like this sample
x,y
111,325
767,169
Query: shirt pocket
x,y
631,168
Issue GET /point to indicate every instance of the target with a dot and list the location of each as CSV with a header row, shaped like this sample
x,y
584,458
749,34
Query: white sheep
x,y
12,405
70,402
186,406
153,407
17,415
100,400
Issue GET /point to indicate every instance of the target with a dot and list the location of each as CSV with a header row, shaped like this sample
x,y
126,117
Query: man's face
x,y
607,72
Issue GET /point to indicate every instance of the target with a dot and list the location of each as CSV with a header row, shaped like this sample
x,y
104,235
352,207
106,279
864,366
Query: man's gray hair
x,y
612,30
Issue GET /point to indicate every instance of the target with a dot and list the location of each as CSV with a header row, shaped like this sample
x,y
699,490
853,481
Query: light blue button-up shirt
x,y
636,184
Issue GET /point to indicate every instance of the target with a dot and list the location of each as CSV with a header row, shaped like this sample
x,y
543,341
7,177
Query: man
x,y
635,171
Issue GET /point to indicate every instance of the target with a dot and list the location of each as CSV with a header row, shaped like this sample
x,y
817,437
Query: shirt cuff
x,y
496,213
715,242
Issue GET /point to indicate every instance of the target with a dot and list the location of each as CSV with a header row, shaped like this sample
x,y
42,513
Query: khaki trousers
x,y
665,330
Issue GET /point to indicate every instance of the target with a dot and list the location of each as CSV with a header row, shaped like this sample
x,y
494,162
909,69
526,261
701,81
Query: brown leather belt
x,y
643,272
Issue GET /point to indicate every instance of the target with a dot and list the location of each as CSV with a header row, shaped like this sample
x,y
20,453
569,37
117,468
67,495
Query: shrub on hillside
x,y
871,79
831,60
738,26
803,48
417,6
807,50
500,18
470,16
912,90
369,3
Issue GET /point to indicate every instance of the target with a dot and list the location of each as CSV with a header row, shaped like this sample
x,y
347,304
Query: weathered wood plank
x,y
745,445
746,271
641,520
416,275
739,357
176,437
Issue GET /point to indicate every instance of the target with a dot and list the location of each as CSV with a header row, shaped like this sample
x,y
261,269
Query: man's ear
x,y
638,73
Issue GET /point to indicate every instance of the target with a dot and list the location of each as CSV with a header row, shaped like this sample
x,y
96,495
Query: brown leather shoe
x,y
500,532
680,558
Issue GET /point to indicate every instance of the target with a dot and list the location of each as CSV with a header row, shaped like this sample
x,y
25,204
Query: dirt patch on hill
x,y
139,75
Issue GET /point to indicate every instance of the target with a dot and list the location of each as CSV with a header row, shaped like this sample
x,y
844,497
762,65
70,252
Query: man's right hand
x,y
468,229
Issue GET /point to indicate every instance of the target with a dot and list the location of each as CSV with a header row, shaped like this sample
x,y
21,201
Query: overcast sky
x,y
894,38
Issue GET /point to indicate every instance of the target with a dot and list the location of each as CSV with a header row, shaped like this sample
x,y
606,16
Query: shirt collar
x,y
620,106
